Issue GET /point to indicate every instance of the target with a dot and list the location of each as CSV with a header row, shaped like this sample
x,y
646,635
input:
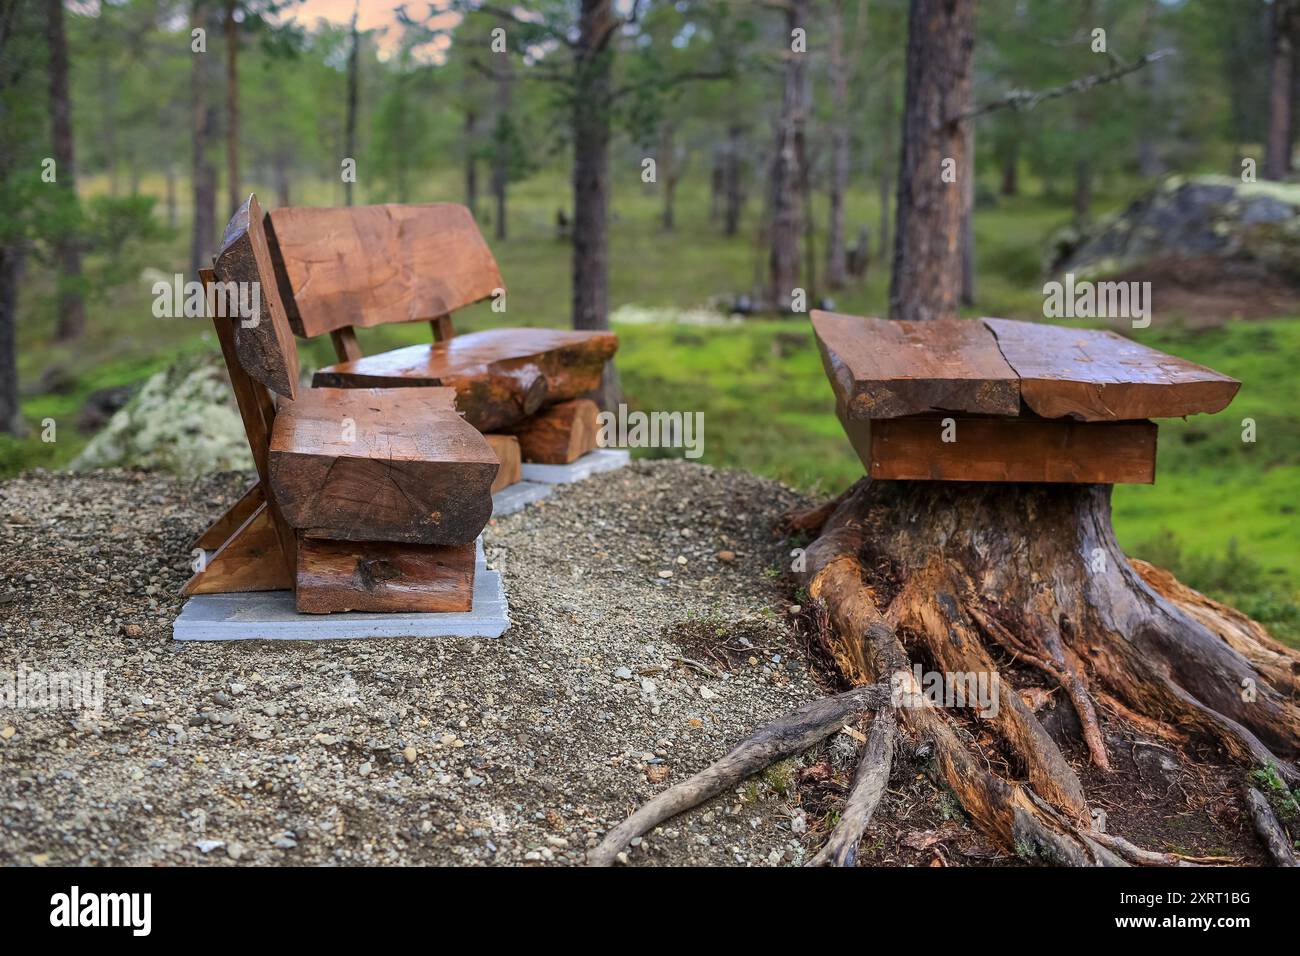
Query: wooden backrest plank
x,y
887,369
370,265
257,410
1097,375
263,341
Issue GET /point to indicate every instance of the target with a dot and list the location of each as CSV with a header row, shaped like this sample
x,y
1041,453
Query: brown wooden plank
x,y
381,465
501,376
1097,375
1010,449
346,346
369,265
250,560
257,411
221,529
336,576
884,369
559,434
506,448
264,342
442,328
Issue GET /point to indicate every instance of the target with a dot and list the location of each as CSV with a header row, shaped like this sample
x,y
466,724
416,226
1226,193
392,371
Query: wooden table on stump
x,y
995,550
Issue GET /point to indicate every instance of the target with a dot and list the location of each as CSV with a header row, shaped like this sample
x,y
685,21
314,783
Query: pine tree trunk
x,y
1276,160
926,277
67,252
501,157
591,166
735,192
968,221
471,163
786,180
1082,189
203,175
668,175
1011,169
11,267
170,197
350,120
888,171
232,107
839,180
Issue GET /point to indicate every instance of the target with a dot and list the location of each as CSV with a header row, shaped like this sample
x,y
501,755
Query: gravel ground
x,y
520,750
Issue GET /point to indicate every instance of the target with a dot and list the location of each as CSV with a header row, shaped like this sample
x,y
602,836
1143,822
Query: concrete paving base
x,y
516,497
270,616
592,463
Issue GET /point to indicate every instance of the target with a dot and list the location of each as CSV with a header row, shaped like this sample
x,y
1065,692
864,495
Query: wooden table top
x,y
890,369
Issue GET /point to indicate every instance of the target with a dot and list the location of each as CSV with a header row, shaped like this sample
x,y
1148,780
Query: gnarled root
x,y
789,735
951,574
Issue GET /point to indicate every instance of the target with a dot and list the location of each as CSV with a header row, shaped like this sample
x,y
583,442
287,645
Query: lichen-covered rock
x,y
1202,216
1207,242
182,420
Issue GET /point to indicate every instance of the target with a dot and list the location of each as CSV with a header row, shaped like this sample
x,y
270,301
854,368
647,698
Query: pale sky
x,y
373,15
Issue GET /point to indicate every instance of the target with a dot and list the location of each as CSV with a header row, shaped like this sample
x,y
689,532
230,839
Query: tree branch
x,y
503,14
677,79
1028,99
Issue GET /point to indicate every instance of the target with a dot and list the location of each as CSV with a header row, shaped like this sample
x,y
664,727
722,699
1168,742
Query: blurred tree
x,y
71,299
927,259
1285,34
203,174
786,179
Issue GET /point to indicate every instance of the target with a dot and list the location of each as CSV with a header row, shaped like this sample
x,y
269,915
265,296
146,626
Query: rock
x,y
648,686
207,846
623,673
409,754
7,732
182,420
726,556
1221,244
235,850
706,694
132,630
101,405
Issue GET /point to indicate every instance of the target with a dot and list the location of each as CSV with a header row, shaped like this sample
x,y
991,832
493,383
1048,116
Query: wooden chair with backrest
x,y
346,268
366,499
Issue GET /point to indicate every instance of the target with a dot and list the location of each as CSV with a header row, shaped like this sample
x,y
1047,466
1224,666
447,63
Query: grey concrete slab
x,y
270,616
592,463
515,497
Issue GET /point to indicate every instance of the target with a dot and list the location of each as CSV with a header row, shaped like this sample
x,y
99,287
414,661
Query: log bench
x,y
1006,401
344,268
367,499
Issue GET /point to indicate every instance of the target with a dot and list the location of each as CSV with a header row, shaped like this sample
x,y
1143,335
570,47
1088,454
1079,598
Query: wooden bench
x,y
367,499
340,269
1000,400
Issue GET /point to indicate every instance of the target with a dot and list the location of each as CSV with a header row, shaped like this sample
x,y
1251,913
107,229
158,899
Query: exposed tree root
x,y
1270,831
950,574
868,787
789,735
